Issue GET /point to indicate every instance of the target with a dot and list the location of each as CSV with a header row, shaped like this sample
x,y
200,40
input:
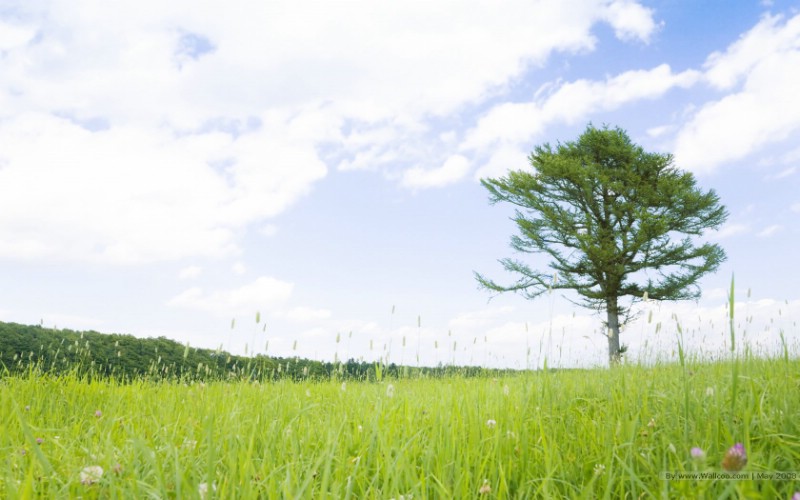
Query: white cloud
x,y
725,69
659,131
769,230
795,207
503,159
12,36
264,293
729,229
130,195
767,60
306,314
577,339
792,156
630,20
786,172
508,128
573,101
156,132
454,169
375,59
190,272
121,196
268,230
238,268
511,123
478,319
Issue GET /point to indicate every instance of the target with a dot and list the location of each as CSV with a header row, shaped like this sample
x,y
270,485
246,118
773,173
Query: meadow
x,y
600,433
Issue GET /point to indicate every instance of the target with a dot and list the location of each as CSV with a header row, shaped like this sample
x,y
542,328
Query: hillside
x,y
124,357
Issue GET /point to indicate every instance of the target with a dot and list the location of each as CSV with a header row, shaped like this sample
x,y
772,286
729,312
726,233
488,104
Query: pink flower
x,y
39,440
698,453
98,413
735,458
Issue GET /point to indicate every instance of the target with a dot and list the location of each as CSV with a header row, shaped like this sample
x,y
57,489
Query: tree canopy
x,y
615,220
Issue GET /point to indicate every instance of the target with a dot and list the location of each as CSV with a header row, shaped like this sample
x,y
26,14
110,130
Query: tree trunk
x,y
614,356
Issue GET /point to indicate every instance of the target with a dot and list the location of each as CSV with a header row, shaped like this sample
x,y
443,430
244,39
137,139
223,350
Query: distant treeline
x,y
124,357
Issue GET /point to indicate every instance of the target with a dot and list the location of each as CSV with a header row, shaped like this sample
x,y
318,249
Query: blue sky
x,y
167,169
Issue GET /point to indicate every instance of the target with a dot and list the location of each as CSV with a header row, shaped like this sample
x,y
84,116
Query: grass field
x,y
605,433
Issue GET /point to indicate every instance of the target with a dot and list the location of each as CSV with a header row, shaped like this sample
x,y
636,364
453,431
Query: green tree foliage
x,y
91,354
615,220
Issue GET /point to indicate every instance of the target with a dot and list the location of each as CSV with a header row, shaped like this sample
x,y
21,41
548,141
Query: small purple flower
x,y
735,458
39,440
698,453
98,413
796,495
27,407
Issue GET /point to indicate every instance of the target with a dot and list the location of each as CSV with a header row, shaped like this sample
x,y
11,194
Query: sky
x,y
301,178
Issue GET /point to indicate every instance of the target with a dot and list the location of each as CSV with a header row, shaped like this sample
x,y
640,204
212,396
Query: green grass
x,y
605,433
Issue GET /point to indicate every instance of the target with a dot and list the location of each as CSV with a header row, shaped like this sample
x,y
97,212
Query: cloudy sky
x,y
168,167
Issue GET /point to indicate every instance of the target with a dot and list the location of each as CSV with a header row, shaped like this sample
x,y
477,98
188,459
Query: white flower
x,y
599,469
91,474
491,423
390,391
506,390
202,489
344,386
709,391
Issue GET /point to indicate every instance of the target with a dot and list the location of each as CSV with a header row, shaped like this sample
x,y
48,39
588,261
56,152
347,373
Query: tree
x,y
607,212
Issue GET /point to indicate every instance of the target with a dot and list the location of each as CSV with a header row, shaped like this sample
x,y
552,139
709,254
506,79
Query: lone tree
x,y
606,212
